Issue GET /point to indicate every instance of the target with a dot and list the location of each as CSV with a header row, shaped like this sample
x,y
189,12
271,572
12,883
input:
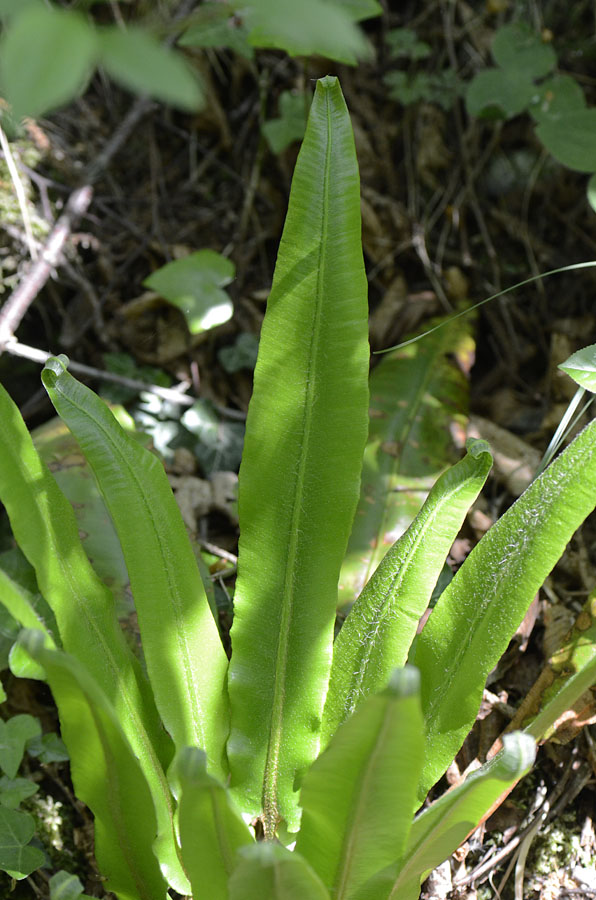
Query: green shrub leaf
x,y
571,138
137,60
46,56
299,478
359,796
498,94
519,49
557,96
322,27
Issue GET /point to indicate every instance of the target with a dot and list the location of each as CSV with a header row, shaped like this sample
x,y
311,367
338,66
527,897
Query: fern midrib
x,y
271,771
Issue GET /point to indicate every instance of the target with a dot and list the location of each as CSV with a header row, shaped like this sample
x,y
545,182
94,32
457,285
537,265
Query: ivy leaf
x,y
14,734
14,790
194,284
17,858
290,124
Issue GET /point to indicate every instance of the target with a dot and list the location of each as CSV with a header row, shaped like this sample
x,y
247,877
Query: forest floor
x,y
454,210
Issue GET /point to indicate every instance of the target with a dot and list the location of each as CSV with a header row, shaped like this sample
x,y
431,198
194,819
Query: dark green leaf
x,y
46,56
137,60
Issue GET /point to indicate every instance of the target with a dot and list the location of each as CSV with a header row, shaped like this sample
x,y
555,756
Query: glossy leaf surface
x,y
417,417
211,829
269,870
378,632
479,611
581,366
185,659
359,796
106,775
299,478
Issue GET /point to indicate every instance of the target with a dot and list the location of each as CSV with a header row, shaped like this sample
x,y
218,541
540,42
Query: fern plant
x,y
296,768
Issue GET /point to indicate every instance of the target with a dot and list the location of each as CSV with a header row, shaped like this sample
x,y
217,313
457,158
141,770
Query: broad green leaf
x,y
16,856
211,829
45,528
106,775
194,284
441,828
498,94
478,613
14,734
269,870
571,138
359,796
321,27
556,96
290,124
379,630
581,366
299,478
46,56
137,60
418,399
14,790
185,659
519,49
